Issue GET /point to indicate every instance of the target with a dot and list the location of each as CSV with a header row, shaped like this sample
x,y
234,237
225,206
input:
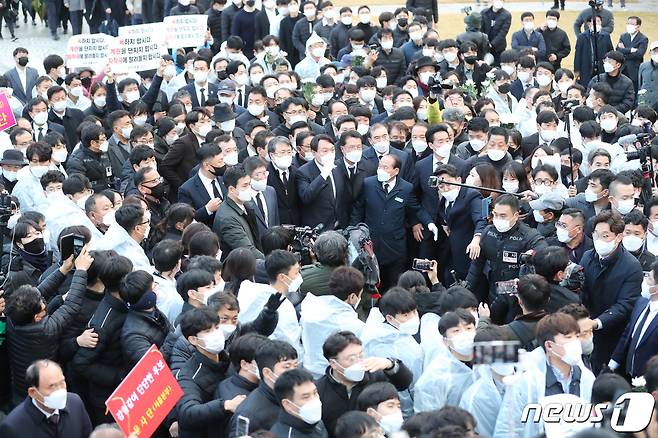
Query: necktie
x,y
240,97
203,97
630,356
54,419
40,136
259,201
386,186
350,172
285,179
215,189
448,207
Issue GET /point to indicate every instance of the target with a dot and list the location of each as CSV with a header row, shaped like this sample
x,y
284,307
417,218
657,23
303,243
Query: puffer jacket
x,y
623,94
93,165
40,340
140,331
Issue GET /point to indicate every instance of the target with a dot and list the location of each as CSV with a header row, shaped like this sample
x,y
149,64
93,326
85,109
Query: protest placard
x,y
138,48
88,51
185,30
145,397
7,119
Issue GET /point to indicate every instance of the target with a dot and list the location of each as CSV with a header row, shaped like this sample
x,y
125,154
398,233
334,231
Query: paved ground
x,y
37,38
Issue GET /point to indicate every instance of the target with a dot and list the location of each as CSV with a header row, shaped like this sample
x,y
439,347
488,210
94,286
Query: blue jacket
x,y
194,193
386,215
612,286
406,168
521,41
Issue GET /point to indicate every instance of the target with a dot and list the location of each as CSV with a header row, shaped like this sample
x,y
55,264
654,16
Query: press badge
x,y
108,171
510,257
400,200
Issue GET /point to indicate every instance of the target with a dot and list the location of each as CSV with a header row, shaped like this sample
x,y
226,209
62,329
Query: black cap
x,y
13,157
223,113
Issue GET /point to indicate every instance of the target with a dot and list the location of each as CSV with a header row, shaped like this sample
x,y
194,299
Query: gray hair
x,y
453,115
331,248
271,146
107,430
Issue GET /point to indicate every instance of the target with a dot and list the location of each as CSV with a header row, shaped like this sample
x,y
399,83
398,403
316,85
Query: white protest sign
x,y
185,30
138,48
88,51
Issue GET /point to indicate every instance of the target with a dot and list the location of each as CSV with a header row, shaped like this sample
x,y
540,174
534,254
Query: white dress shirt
x,y
274,20
198,88
331,178
22,75
36,128
391,184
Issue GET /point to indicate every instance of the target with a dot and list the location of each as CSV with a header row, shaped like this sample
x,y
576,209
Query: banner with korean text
x,y
145,397
88,51
186,30
7,119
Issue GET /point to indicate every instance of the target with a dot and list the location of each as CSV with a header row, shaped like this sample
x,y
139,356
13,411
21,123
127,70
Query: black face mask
x,y
352,101
22,61
470,59
159,191
86,82
37,246
565,170
221,75
504,88
402,22
180,60
250,3
218,171
397,144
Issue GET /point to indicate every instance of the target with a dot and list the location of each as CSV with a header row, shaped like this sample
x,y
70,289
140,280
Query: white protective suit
x,y
529,388
431,340
61,212
252,297
443,382
118,239
323,316
381,339
28,190
482,399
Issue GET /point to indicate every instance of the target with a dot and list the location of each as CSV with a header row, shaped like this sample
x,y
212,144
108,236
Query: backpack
x,y
525,334
109,26
360,255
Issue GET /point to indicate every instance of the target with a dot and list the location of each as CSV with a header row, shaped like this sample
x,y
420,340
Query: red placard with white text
x,y
145,397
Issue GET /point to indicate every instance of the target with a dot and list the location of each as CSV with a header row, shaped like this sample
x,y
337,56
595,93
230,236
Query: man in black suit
x,y
283,177
237,72
496,21
320,186
264,196
381,145
525,69
201,90
49,410
460,215
205,191
181,158
262,25
353,170
37,109
70,118
386,204
633,45
638,342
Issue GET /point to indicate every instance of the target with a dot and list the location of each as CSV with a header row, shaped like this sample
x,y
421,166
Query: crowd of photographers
x,y
319,223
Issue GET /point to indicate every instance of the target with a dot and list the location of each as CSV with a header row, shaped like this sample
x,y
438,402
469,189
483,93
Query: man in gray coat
x,y
607,20
647,78
235,221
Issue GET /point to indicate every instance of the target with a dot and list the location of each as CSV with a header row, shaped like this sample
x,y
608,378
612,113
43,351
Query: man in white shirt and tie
x,y
38,110
237,72
264,196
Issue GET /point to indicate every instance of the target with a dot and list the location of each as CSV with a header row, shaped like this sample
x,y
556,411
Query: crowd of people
x,y
319,222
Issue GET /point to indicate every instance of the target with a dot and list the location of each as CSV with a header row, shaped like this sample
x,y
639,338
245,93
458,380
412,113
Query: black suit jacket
x,y
529,144
464,219
211,92
179,161
353,188
286,196
26,420
317,201
193,192
406,168
262,25
633,60
516,88
50,126
646,347
71,120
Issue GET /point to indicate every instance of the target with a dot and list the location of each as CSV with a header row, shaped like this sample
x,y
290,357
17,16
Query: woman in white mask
x,y
545,179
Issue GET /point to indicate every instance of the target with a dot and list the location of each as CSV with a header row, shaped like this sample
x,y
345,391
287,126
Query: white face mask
x,y
56,399
39,171
477,144
311,412
422,114
60,155
632,243
572,352
317,100
409,327
259,185
40,118
646,289
450,57
562,235
603,248
419,146
382,175
503,369
443,151
109,219
590,195
283,163
362,129
609,124
295,283
9,175
245,195
462,342
387,45
495,154
327,159
528,26
59,106
424,77
368,95
100,101
502,225
539,218
392,423
381,147
608,67
587,345
544,80
255,110
213,342
548,135
451,195
354,156
564,86
227,329
104,146
523,76
132,96
354,373
347,21
511,186
625,206
227,126
318,52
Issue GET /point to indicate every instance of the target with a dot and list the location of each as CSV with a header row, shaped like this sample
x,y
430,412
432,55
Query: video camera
x,y
6,207
596,3
302,241
436,84
569,104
